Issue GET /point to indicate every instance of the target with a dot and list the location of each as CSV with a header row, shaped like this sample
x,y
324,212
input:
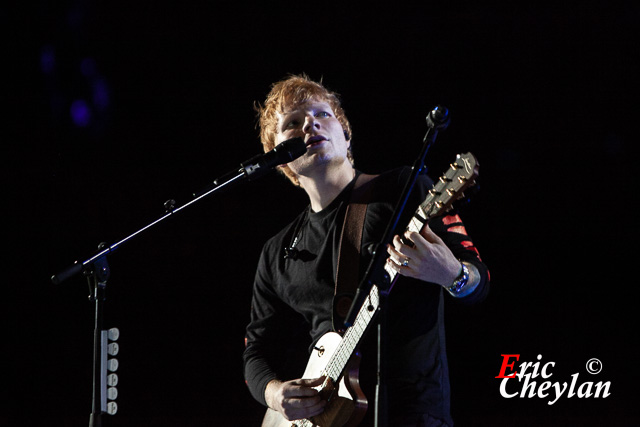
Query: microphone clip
x,y
291,253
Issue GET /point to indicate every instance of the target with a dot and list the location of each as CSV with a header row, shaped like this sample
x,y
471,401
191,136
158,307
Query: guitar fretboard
x,y
353,335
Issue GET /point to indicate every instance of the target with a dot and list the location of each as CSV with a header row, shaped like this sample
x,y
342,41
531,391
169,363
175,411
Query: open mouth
x,y
315,140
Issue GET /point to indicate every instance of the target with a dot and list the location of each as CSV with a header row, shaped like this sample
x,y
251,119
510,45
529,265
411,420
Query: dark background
x,y
114,107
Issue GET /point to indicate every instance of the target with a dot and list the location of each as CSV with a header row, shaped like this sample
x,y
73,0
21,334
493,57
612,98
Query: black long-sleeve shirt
x,y
292,302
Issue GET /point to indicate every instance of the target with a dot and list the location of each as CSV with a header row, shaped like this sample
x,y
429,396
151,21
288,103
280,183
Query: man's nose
x,y
310,123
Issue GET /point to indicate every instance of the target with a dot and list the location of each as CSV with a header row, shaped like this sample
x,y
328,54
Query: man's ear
x,y
346,135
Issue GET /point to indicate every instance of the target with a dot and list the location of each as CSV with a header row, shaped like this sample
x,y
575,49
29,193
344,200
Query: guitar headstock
x,y
450,186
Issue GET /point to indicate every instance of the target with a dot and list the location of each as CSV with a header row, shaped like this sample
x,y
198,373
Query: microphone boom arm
x,y
252,169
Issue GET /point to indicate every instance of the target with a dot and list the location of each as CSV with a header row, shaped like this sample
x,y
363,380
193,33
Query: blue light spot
x,y
80,113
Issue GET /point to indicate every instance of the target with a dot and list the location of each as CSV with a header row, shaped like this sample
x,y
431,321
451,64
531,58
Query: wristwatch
x,y
456,288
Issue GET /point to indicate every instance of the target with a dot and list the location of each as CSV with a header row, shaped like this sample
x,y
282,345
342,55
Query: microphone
x,y
284,152
438,118
261,164
291,253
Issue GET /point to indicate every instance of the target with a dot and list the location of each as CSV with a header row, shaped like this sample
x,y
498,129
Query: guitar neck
x,y
418,221
445,191
353,335
367,311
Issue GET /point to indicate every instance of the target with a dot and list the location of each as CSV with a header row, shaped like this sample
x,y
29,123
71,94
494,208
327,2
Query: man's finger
x,y
306,402
429,235
295,413
302,387
311,382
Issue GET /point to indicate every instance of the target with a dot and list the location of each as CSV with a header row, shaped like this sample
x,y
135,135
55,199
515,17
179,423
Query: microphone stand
x,y
97,270
437,120
97,278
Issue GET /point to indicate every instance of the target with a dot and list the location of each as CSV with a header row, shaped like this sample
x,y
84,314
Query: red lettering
x,y
505,365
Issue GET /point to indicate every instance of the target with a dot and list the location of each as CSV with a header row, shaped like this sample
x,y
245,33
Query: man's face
x,y
314,121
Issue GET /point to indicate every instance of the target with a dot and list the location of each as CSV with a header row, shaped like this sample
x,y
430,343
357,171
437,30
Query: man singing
x,y
295,282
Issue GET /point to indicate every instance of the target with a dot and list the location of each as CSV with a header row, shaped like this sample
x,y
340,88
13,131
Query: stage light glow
x,y
80,113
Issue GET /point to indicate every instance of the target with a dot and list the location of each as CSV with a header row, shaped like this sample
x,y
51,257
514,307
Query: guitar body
x,y
346,405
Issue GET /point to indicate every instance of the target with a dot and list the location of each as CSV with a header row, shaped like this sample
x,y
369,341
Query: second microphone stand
x,y
97,269
437,120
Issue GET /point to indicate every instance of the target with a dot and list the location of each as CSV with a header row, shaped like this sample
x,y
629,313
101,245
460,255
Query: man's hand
x,y
295,399
429,259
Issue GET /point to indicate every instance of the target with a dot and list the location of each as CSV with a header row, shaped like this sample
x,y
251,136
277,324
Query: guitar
x,y
334,356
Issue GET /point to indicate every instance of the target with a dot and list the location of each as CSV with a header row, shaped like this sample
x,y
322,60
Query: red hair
x,y
290,92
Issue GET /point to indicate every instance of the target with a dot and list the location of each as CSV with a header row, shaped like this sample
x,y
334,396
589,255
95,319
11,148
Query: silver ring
x,y
405,262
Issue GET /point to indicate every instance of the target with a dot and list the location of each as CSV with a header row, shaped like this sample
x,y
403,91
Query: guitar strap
x,y
348,268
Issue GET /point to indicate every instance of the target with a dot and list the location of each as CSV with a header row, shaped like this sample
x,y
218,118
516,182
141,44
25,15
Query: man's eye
x,y
291,124
323,114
